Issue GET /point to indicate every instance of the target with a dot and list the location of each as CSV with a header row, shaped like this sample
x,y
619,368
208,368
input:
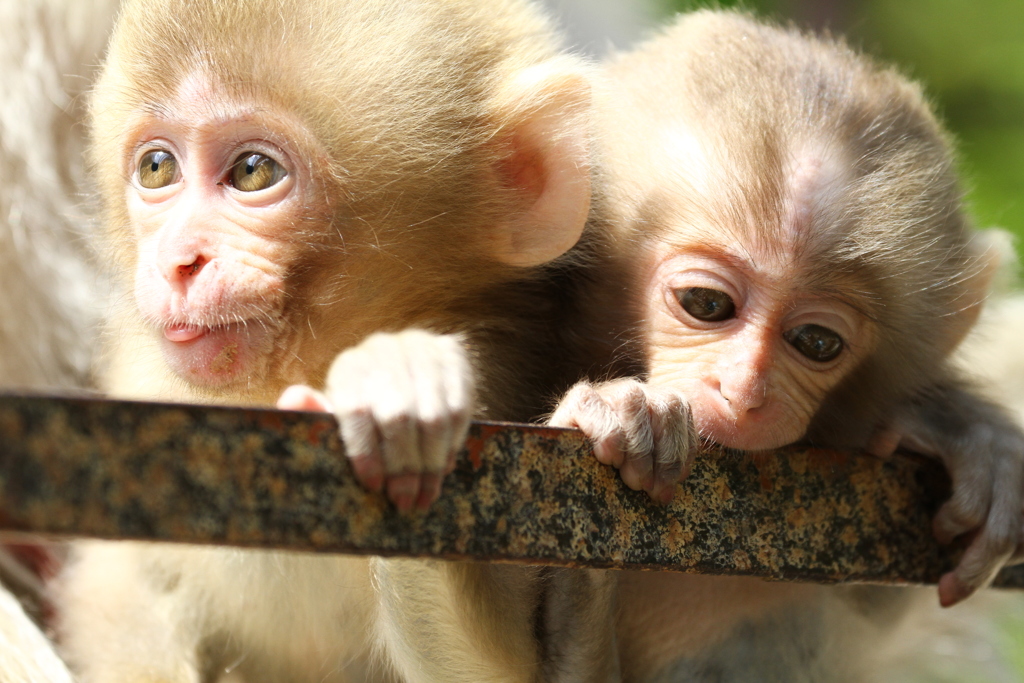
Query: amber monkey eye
x,y
709,305
253,172
815,342
158,169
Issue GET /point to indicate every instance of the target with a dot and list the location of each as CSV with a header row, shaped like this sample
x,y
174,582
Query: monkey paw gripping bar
x,y
265,478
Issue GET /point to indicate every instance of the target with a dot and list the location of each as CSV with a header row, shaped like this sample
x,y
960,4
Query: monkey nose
x,y
190,270
743,396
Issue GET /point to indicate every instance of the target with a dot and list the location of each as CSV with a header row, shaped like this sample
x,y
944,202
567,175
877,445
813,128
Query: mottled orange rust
x,y
521,494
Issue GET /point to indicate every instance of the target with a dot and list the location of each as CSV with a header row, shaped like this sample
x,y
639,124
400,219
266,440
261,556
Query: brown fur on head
x,y
801,147
429,142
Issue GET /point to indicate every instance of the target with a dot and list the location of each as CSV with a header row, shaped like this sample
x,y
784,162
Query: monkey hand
x,y
404,402
983,452
645,431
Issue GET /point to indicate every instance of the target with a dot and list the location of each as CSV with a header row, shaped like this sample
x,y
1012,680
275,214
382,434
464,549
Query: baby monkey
x,y
368,201
787,219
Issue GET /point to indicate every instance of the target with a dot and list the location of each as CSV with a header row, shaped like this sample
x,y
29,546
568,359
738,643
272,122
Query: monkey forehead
x,y
680,154
816,176
387,64
811,182
786,203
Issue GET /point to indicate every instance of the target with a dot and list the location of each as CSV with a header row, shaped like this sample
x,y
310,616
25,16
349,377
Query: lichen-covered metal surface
x,y
267,478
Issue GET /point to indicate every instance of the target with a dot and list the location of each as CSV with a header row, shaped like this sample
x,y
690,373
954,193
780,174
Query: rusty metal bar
x,y
112,469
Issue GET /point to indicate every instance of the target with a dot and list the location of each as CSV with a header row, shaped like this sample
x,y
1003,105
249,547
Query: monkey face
x,y
210,198
753,352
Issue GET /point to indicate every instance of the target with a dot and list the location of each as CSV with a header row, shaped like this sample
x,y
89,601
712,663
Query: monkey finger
x,y
884,442
436,422
392,397
586,410
404,490
666,476
631,406
445,403
362,444
952,590
430,489
435,440
674,444
459,395
366,467
978,566
968,506
302,397
638,471
996,541
580,397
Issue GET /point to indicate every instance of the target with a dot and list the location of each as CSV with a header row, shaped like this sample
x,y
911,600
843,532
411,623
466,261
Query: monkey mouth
x,y
751,434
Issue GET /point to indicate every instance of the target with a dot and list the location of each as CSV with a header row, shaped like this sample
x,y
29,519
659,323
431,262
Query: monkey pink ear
x,y
997,262
547,109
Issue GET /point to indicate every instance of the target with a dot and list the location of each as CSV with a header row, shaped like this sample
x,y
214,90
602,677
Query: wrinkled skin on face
x,y
209,188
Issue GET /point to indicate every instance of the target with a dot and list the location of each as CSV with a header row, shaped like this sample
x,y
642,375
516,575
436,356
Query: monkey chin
x,y
215,357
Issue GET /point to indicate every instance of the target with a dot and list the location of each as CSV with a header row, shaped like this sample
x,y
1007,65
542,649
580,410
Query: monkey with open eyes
x,y
789,223
363,206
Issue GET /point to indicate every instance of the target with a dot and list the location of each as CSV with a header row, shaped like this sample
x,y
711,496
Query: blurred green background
x,y
970,57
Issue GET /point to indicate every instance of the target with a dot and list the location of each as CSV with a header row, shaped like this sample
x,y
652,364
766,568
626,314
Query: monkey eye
x,y
158,169
709,305
253,172
815,342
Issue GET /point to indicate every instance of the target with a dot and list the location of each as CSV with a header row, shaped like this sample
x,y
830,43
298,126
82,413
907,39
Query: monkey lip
x,y
183,333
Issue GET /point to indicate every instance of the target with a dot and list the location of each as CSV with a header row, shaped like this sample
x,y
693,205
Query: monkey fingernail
x,y
430,489
952,590
884,443
404,490
607,451
369,473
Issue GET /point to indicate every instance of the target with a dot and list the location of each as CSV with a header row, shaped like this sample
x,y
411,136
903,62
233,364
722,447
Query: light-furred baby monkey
x,y
372,198
787,217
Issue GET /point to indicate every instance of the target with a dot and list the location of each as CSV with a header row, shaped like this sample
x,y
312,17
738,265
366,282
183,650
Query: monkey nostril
x,y
192,268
